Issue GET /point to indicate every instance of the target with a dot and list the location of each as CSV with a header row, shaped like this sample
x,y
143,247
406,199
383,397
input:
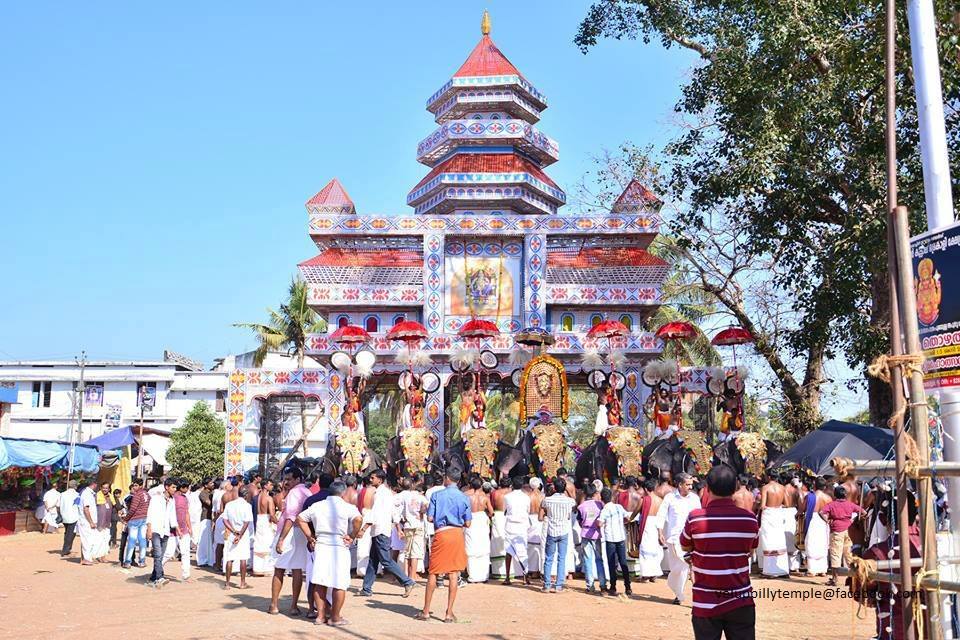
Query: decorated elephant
x,y
670,455
747,453
597,461
347,453
413,452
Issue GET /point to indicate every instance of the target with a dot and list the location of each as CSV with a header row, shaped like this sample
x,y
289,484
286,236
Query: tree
x,y
287,328
196,447
781,150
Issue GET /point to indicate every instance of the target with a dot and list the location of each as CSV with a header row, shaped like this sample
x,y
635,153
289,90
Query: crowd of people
x,y
458,530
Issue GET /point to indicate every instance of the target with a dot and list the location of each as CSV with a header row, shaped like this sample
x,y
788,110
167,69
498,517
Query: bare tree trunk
x,y
878,392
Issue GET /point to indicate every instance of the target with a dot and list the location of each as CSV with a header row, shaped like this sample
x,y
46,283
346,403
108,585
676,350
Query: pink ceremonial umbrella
x,y
608,329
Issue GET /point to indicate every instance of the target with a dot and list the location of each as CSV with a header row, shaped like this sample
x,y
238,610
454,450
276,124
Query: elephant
x,y
667,454
597,461
729,453
334,462
397,463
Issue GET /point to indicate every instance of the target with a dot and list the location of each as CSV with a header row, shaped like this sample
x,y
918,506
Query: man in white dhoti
x,y
290,545
651,521
816,542
334,523
676,506
51,510
90,538
515,528
237,520
265,532
537,531
772,550
477,535
497,523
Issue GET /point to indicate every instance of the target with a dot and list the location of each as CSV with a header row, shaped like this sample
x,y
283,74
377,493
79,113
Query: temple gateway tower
x,y
487,239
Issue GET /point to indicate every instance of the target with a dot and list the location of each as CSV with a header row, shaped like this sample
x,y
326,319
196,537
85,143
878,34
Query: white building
x,y
46,406
46,398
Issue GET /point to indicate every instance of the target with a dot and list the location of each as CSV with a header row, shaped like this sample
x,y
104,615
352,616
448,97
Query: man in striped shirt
x,y
721,538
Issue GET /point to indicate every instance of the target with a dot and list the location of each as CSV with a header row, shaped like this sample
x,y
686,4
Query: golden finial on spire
x,y
485,23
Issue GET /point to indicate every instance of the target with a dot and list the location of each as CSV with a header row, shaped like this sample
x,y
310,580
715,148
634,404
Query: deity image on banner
x,y
929,292
482,286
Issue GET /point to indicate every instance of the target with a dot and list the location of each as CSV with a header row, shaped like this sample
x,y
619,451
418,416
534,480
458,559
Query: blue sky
x,y
155,157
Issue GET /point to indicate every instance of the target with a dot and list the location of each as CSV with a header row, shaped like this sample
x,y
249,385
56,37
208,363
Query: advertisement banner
x,y
112,414
936,277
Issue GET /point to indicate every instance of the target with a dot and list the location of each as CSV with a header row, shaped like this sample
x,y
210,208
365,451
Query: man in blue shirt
x,y
449,511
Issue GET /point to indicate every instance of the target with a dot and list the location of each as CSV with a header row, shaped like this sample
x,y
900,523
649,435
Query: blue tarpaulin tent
x,y
25,452
111,440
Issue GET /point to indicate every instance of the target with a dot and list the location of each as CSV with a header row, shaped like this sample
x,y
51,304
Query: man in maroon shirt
x,y
839,516
721,537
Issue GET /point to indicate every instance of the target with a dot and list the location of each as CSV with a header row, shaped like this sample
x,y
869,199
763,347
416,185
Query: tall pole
x,y
140,443
896,342
918,415
76,436
938,195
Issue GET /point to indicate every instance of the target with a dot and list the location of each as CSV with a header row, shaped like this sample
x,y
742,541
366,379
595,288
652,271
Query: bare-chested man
x,y
644,515
496,498
665,485
743,497
265,531
571,485
350,493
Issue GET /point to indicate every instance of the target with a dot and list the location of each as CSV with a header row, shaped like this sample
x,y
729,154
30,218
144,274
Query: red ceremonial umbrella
x,y
478,328
410,332
350,334
608,329
677,330
731,337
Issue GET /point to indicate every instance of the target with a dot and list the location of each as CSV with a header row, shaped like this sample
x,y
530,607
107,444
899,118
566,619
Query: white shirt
x,y
88,506
236,513
193,500
517,511
331,519
428,527
161,515
70,506
380,516
51,499
216,501
559,509
677,508
411,512
612,516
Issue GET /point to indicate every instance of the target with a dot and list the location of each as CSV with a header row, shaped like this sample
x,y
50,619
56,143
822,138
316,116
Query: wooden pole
x,y
918,414
896,344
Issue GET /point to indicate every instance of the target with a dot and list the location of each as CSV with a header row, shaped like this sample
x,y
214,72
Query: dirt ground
x,y
44,596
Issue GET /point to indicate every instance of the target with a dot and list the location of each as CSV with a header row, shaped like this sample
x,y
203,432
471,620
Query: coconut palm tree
x,y
287,329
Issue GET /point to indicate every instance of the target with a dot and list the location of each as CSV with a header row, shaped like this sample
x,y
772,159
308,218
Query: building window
x,y
400,317
595,319
372,324
627,321
221,405
343,321
566,322
148,390
41,394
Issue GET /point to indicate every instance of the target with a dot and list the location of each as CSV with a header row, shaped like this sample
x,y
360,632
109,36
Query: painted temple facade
x,y
485,237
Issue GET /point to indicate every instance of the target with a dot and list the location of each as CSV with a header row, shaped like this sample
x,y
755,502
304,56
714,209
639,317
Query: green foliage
x,y
782,136
196,447
860,417
287,328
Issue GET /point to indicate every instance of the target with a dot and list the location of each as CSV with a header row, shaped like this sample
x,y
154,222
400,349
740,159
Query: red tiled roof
x,y
331,195
486,60
604,257
334,257
634,196
486,163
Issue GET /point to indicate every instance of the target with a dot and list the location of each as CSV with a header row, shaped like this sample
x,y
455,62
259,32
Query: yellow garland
x,y
754,451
